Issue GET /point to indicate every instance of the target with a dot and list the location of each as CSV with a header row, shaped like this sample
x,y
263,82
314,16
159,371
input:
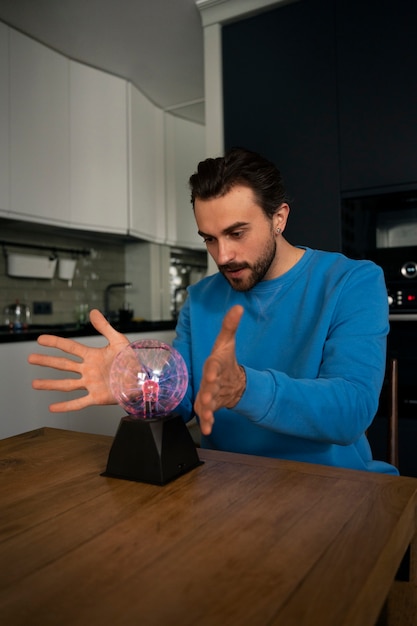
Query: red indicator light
x,y
411,298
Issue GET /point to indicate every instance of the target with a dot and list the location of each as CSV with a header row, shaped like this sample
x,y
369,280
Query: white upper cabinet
x,y
99,152
146,168
184,149
4,120
39,131
84,149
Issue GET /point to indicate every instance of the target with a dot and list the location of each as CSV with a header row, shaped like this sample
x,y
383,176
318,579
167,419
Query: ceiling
x,y
155,44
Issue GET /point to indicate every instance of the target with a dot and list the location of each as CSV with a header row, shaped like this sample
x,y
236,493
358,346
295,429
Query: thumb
x,y
104,328
229,325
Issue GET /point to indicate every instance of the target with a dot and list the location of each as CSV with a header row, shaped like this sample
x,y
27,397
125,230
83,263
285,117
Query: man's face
x,y
238,236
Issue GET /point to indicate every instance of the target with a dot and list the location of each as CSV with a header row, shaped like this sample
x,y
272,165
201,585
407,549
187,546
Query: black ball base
x,y
153,451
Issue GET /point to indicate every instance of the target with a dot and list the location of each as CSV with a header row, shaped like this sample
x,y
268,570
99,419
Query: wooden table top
x,y
238,541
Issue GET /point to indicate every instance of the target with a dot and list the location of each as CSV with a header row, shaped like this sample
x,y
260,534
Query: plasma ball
x,y
148,379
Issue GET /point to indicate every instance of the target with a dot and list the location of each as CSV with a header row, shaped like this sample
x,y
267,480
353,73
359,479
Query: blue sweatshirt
x,y
313,345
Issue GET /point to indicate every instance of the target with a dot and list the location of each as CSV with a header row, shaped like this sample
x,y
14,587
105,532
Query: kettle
x,y
17,316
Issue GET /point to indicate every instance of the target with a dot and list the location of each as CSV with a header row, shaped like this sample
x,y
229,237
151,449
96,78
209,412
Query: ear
x,y
280,217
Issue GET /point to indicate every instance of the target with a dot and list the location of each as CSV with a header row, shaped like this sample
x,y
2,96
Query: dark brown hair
x,y
216,177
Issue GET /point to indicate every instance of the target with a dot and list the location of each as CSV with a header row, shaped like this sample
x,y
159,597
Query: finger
x,y
206,417
70,405
61,343
212,370
206,425
233,317
229,325
204,407
104,328
206,399
55,362
67,384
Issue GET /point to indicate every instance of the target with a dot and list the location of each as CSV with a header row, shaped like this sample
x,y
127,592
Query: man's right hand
x,y
91,364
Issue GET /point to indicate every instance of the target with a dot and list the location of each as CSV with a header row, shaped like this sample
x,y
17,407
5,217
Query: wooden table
x,y
238,541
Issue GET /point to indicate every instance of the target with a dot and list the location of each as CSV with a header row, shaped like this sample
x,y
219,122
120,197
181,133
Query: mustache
x,y
232,267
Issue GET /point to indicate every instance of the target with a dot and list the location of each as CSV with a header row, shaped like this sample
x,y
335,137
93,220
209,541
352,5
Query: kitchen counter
x,y
87,330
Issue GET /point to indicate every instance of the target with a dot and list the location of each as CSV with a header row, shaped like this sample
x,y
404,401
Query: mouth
x,y
233,272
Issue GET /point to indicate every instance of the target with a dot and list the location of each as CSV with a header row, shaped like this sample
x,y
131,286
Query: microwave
x,y
383,228
396,229
382,221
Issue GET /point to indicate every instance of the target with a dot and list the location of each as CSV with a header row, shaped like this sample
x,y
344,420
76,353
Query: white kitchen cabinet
x,y
4,120
146,168
84,149
184,149
24,408
99,150
39,132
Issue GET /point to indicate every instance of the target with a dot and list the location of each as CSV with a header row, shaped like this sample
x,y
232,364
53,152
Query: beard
x,y
258,269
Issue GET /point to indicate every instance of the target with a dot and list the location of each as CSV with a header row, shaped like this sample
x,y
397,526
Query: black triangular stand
x,y
152,450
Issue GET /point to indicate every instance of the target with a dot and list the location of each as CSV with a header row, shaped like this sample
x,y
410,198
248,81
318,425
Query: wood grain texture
x,y
238,541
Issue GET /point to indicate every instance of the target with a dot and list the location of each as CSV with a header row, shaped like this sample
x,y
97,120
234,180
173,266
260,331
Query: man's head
x,y
216,177
240,210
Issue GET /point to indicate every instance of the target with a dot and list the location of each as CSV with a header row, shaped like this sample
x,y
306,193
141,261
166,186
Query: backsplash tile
x,y
104,265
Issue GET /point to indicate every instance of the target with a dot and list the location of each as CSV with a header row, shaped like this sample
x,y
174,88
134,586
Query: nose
x,y
225,251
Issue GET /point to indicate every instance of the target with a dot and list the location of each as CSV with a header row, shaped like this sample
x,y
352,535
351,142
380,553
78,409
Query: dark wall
x,y
326,89
280,100
376,69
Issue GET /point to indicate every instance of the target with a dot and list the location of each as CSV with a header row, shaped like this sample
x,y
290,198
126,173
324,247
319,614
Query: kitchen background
x,y
338,117
88,162
101,266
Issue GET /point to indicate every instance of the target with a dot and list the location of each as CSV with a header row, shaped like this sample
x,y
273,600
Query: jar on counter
x,y
17,316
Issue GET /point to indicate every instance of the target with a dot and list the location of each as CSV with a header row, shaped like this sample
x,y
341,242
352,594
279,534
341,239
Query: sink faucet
x,y
107,312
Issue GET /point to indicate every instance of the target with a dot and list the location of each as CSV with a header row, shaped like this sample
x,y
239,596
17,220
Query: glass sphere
x,y
148,378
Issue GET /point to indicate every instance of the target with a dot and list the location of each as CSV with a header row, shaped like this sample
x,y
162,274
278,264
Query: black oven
x,y
400,270
383,228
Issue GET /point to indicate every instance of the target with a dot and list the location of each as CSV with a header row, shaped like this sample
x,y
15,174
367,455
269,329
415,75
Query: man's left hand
x,y
224,381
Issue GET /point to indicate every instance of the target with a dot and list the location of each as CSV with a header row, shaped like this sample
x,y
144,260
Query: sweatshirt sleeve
x,y
339,404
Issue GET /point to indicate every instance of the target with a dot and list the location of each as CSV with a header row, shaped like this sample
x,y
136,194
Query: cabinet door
x,y
377,90
280,100
184,148
146,169
39,131
4,120
98,115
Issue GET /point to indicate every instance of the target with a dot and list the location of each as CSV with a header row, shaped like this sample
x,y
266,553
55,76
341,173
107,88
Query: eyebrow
x,y
227,230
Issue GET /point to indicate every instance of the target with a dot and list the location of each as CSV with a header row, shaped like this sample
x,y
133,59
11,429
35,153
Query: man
x,y
295,367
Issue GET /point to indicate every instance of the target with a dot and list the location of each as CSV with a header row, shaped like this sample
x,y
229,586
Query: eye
x,y
208,239
236,234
